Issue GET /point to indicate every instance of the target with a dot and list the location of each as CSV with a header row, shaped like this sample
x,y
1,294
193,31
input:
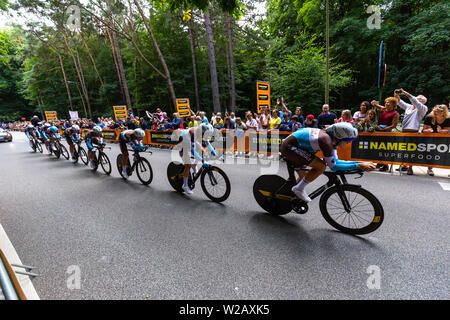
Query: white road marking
x,y
445,186
13,258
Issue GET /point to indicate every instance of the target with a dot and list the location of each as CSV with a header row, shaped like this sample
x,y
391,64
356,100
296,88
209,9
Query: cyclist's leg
x,y
71,145
186,156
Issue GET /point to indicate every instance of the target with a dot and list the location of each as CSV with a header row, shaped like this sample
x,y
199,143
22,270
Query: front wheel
x,y
215,184
105,163
365,214
64,151
39,147
83,156
119,166
144,171
56,150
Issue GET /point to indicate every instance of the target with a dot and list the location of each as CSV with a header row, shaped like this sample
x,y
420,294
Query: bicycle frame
x,y
334,179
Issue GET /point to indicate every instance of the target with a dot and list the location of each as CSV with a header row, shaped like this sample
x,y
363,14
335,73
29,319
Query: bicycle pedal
x,y
300,207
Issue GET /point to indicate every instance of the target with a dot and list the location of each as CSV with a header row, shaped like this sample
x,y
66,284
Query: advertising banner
x,y
162,137
402,148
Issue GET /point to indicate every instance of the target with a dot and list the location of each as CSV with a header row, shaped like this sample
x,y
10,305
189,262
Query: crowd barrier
x,y
418,149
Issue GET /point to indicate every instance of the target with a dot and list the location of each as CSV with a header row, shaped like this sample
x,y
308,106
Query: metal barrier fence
x,y
8,282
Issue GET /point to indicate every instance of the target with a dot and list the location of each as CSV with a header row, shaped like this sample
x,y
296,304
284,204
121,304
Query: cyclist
x,y
31,133
72,134
301,146
189,148
134,138
94,137
35,121
47,135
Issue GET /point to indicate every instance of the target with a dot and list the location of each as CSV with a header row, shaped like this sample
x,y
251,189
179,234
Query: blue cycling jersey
x,y
308,140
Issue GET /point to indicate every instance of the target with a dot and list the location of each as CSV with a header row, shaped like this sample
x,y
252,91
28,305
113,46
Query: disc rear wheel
x,y
273,194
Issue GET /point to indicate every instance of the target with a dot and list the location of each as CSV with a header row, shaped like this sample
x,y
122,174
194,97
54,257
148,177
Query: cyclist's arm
x,y
211,148
331,157
27,134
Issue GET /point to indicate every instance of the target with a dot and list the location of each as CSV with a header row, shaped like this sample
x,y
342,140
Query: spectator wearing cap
x,y
310,122
326,118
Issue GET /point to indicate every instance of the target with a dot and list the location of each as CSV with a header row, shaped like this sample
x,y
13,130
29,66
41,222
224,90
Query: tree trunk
x,y
92,58
229,19
122,92
65,80
121,69
160,55
212,63
80,74
194,63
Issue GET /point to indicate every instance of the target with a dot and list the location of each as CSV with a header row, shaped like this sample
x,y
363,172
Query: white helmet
x,y
97,129
75,128
343,131
139,133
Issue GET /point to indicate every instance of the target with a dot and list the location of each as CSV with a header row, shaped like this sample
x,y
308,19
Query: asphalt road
x,y
132,241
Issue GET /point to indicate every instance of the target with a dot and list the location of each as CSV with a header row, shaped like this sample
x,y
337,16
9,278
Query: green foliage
x,y
298,74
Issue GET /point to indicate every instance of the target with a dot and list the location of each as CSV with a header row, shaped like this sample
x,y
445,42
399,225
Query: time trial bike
x,y
347,207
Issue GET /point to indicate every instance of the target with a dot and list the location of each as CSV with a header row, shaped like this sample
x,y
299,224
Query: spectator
x,y
437,121
414,114
310,122
388,120
251,122
275,121
346,116
175,121
295,123
361,114
193,122
240,125
228,124
299,114
213,118
204,118
326,118
144,124
264,119
369,123
284,109
286,124
218,122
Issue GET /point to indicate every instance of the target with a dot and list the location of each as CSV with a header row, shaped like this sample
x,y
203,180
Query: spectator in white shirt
x,y
414,113
361,114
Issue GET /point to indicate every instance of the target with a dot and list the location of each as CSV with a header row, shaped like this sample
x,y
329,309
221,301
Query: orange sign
x,y
262,95
51,115
120,112
183,108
